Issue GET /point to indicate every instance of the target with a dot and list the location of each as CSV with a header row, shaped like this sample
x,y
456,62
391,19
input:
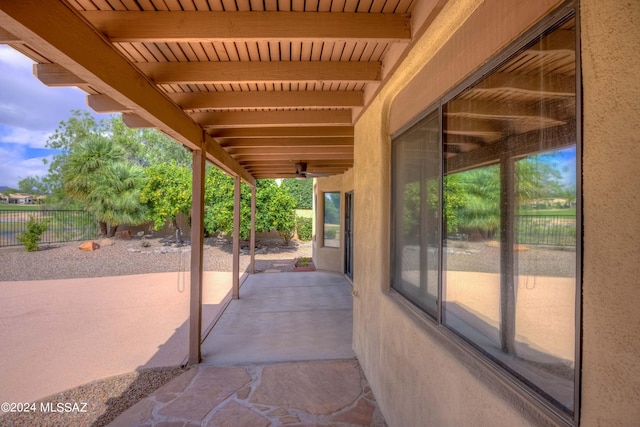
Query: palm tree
x,y
98,176
479,211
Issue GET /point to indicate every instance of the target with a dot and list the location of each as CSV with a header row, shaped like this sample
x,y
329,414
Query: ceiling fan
x,y
301,172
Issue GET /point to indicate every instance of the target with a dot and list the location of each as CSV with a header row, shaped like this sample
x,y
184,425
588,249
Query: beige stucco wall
x,y
611,159
329,258
420,377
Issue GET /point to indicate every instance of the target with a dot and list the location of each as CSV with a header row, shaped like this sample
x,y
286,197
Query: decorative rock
x,y
89,246
126,234
107,242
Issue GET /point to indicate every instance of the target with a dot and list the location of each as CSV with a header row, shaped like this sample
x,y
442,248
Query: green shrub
x,y
303,227
286,235
33,235
329,233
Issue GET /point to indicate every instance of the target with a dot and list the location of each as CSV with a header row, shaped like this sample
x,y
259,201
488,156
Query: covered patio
x,y
330,89
280,355
264,90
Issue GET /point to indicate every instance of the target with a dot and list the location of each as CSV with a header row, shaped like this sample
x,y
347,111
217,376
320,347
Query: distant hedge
x,y
301,190
303,227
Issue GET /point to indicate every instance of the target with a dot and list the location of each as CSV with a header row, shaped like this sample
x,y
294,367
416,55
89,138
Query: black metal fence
x,y
62,225
547,230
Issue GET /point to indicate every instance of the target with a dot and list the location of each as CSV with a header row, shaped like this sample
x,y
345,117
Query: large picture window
x,y
495,258
416,196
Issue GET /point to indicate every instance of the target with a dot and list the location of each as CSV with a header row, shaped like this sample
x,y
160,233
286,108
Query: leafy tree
x,y
274,206
32,185
142,147
332,208
219,202
301,190
10,190
166,193
278,205
472,198
97,175
479,210
157,148
78,127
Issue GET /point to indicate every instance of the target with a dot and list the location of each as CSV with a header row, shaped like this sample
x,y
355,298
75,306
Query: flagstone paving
x,y
313,393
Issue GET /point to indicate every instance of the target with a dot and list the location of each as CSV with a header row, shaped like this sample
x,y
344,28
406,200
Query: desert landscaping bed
x,y
119,257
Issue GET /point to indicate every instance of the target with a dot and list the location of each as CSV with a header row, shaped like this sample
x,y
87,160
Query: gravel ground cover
x,y
139,256
110,397
106,399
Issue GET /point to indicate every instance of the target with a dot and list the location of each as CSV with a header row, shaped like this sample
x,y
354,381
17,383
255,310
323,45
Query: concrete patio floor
x,y
281,355
284,317
74,331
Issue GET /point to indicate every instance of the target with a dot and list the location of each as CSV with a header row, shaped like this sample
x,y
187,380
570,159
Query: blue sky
x,y
29,113
564,161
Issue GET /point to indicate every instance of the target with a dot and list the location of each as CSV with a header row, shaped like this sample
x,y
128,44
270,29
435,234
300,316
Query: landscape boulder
x,y
89,246
126,234
106,242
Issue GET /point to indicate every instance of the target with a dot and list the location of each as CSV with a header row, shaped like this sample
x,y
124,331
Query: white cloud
x,y
21,136
14,58
29,113
15,166
26,102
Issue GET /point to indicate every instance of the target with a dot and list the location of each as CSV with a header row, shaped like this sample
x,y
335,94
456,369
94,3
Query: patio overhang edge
x,y
64,37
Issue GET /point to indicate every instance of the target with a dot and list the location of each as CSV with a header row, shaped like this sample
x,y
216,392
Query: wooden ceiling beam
x,y
293,151
273,118
286,165
559,40
310,163
6,37
64,38
198,26
134,121
289,166
546,87
275,99
488,109
283,132
54,75
287,142
293,157
105,104
263,71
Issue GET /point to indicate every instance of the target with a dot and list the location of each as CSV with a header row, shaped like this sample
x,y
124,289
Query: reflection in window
x,y
509,264
416,198
485,208
332,220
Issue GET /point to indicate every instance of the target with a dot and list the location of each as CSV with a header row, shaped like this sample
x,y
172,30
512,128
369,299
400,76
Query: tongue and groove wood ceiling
x,y
261,86
272,83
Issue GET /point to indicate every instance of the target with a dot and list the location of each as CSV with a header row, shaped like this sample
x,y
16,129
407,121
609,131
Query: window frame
x,y
568,10
324,223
